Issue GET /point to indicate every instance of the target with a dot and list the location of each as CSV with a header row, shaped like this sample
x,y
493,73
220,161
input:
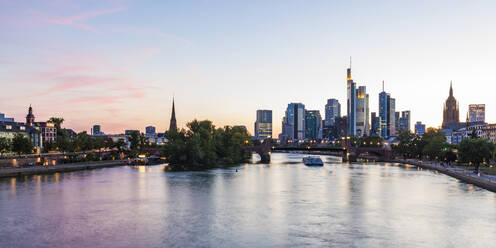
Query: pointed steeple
x,y
173,125
451,88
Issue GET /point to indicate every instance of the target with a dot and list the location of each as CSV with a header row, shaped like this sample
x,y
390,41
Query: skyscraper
x,y
351,103
293,124
332,111
263,124
451,113
313,127
405,121
476,113
150,132
419,128
362,111
383,112
96,130
391,116
375,129
173,124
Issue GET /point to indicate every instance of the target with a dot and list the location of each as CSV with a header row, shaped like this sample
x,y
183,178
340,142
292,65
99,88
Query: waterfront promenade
x,y
38,169
482,180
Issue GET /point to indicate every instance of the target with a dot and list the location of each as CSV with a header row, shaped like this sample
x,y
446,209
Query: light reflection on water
x,y
281,204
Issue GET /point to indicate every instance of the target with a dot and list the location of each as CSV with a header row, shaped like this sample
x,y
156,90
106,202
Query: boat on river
x,y
313,161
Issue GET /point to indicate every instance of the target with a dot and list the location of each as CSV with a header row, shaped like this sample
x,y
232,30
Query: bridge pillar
x,y
265,157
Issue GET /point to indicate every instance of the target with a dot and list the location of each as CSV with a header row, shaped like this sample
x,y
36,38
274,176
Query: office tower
x,y
332,111
383,113
404,122
397,121
451,114
419,128
375,129
293,124
351,103
392,116
150,131
477,113
263,124
362,112
313,129
96,130
173,124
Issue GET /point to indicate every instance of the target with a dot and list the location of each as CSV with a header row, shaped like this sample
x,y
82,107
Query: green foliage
x,y
21,144
435,143
370,141
5,145
203,146
476,151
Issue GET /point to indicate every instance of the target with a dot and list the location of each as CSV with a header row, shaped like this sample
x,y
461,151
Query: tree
x,y
405,144
57,121
434,143
5,145
476,151
21,144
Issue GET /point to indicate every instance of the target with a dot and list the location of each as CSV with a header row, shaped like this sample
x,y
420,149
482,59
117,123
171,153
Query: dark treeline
x,y
202,146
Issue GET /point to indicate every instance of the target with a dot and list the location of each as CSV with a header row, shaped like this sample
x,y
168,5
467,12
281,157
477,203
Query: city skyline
x,y
70,60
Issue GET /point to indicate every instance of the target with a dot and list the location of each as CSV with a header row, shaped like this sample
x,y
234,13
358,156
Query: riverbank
x,y
36,170
484,181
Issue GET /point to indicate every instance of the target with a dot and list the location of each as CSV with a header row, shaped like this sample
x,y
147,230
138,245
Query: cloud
x,y
150,32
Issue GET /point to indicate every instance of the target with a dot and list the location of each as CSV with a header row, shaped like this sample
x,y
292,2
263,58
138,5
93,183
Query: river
x,y
252,205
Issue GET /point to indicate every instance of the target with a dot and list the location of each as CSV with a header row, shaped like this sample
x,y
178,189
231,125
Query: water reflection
x,y
252,205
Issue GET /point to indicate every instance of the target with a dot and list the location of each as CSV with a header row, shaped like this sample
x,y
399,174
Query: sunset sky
x,y
119,63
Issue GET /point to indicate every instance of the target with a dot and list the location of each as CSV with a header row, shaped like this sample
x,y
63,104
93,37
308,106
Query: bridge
x,y
348,152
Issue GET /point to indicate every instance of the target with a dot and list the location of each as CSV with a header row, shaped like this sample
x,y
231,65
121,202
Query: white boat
x,y
313,161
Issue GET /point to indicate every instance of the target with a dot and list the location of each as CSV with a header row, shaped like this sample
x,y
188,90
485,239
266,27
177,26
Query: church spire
x,y
173,125
451,88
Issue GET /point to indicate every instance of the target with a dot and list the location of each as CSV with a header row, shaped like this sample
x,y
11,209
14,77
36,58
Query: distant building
x,y
173,124
404,121
10,129
4,119
293,124
476,113
375,129
313,121
47,130
130,132
419,128
397,121
332,111
150,132
362,112
387,114
351,103
392,116
451,113
96,130
263,124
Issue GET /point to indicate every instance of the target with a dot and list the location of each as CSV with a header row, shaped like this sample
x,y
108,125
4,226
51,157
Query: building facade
x,y
476,113
419,128
313,121
351,103
375,129
362,112
263,124
383,113
404,122
332,111
96,130
293,124
150,132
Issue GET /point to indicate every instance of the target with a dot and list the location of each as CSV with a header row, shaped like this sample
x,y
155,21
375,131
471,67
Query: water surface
x,y
281,204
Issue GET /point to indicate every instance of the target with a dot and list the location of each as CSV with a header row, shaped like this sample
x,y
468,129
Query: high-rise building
x,y
332,111
375,129
313,121
404,122
477,113
96,130
173,124
351,103
419,128
451,113
263,124
362,112
397,121
391,116
293,124
383,112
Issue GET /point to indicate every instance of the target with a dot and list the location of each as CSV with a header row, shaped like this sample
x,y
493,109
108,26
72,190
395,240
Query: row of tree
x,y
203,146
433,146
19,144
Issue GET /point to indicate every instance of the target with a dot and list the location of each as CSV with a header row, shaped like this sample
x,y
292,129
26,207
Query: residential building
x,y
48,131
10,129
489,132
313,121
419,128
332,111
263,124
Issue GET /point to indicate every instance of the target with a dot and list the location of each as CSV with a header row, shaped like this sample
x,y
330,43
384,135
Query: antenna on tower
x,y
350,62
382,85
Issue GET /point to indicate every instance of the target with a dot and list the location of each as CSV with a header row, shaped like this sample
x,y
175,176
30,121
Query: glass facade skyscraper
x,y
477,113
263,124
293,124
313,121
332,111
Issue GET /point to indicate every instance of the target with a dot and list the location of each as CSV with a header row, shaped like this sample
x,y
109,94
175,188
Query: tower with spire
x,y
173,124
30,116
451,113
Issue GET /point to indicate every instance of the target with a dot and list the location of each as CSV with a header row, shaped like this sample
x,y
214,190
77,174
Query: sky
x,y
119,63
